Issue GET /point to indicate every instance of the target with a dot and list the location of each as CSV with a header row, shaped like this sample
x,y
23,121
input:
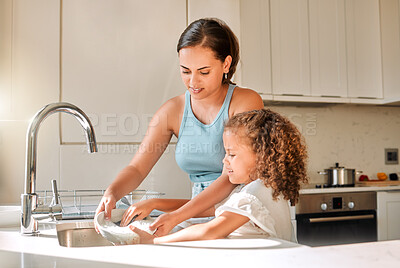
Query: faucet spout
x,y
29,198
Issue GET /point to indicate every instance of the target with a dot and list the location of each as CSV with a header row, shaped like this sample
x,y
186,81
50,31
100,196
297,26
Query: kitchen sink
x,y
80,234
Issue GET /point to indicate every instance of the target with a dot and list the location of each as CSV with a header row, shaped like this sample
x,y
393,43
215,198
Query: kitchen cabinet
x,y
29,54
328,48
308,48
226,10
31,51
5,57
119,64
390,37
363,49
388,215
321,50
290,48
255,45
309,40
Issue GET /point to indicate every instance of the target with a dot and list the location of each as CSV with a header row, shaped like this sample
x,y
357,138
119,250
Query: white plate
x,y
120,235
10,216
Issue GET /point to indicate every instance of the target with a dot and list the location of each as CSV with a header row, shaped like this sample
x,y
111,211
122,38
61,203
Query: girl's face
x,y
239,159
201,71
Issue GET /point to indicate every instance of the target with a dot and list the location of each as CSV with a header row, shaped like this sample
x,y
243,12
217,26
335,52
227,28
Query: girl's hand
x,y
142,209
164,224
107,203
145,237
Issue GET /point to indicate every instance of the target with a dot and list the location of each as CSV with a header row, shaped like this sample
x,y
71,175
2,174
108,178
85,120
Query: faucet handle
x,y
56,197
55,205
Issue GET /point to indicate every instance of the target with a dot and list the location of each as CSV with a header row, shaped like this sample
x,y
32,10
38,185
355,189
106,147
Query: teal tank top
x,y
200,149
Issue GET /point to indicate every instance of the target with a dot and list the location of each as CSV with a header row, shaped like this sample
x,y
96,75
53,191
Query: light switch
x,y
391,156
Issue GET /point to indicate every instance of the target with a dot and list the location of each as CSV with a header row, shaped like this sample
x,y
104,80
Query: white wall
x,y
32,78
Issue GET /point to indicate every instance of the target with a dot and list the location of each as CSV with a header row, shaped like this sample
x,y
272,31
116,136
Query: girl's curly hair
x,y
280,149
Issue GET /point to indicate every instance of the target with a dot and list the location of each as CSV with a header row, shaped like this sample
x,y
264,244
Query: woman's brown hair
x,y
216,35
280,149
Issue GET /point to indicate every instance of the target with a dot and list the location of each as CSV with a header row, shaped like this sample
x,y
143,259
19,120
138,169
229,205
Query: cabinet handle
x,y
342,218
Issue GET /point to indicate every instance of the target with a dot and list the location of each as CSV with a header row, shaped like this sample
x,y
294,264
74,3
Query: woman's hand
x,y
164,224
145,237
142,209
107,203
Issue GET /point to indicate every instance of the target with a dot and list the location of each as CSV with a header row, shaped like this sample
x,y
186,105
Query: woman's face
x,y
201,71
239,159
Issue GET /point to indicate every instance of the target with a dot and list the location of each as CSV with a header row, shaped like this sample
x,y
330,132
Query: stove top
x,y
333,185
325,185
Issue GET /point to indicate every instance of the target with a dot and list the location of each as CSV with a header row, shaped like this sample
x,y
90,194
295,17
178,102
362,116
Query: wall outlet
x,y
391,156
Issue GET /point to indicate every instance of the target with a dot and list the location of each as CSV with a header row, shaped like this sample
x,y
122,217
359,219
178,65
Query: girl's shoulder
x,y
256,187
245,99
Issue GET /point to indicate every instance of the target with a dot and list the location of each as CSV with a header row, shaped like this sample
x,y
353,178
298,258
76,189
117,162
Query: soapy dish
x,y
117,235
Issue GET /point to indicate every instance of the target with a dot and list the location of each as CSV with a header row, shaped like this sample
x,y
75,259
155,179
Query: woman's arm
x,y
157,138
245,99
218,228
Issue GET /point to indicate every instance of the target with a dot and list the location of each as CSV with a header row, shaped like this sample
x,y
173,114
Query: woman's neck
x,y
207,109
214,100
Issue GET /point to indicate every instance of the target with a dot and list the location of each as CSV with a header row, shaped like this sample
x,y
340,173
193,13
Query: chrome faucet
x,y
29,200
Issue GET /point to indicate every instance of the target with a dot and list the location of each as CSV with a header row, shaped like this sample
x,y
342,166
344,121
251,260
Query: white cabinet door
x,y
255,45
119,64
328,48
226,10
290,50
390,34
388,215
363,49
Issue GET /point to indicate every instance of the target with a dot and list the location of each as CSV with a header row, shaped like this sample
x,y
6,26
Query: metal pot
x,y
340,175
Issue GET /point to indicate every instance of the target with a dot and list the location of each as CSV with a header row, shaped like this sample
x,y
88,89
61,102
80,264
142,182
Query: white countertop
x,y
44,251
349,189
17,250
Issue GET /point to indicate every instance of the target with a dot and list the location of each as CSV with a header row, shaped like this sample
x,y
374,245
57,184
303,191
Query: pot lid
x,y
337,166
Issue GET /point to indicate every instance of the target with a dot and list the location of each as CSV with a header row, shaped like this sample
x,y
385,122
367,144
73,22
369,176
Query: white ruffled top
x,y
268,217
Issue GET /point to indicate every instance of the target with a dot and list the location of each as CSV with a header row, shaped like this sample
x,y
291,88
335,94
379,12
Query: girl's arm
x,y
201,205
143,208
218,228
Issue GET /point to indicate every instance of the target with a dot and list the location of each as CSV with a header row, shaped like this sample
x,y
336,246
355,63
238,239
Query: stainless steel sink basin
x,y
79,234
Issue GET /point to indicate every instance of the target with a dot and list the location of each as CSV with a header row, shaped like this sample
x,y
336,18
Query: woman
x,y
208,55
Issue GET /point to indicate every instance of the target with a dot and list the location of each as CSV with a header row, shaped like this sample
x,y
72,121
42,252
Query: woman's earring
x,y
226,76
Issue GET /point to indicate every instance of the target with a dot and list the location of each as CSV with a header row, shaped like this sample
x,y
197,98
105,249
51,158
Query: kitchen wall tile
x,y
355,136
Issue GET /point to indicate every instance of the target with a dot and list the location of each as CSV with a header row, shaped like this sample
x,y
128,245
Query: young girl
x,y
265,156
